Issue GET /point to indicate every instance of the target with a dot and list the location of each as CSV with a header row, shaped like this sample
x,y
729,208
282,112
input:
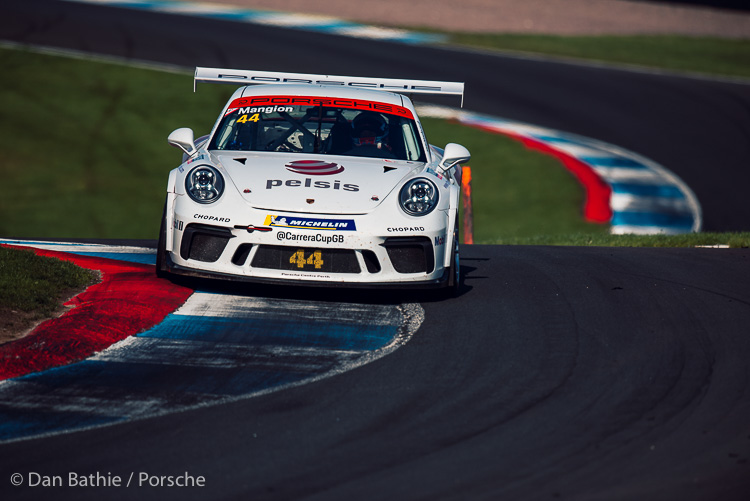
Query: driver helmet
x,y
369,128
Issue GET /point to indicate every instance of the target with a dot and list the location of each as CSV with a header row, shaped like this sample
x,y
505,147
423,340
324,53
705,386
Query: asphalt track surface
x,y
558,373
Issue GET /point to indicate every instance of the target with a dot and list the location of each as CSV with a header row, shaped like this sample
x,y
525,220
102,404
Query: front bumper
x,y
369,255
196,273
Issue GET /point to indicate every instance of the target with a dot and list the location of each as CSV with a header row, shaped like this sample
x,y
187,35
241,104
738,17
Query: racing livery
x,y
317,180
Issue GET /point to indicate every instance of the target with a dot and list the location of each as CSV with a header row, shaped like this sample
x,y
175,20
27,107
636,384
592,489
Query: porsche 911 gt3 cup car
x,y
317,180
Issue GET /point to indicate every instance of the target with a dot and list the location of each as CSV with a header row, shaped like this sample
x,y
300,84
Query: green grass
x,y
32,287
713,56
734,240
84,144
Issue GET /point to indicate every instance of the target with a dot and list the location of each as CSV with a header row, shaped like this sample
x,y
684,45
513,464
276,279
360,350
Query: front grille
x,y
276,257
410,254
205,243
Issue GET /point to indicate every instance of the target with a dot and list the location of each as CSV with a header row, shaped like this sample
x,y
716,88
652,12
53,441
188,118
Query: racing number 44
x,y
315,259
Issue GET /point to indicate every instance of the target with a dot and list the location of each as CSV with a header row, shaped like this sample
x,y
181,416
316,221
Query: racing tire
x,y
454,277
161,247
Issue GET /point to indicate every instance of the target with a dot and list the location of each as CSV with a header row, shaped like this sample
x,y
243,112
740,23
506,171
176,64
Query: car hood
x,y
314,183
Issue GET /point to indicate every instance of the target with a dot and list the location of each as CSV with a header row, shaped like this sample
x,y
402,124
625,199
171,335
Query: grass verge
x,y
712,56
32,288
732,240
85,152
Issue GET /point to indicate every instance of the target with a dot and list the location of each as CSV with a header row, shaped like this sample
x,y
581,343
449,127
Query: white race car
x,y
315,180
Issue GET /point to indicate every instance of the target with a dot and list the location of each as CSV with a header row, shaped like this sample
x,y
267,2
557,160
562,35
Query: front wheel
x,y
161,247
454,279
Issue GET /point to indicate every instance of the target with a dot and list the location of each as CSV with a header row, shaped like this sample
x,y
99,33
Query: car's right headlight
x,y
204,184
418,197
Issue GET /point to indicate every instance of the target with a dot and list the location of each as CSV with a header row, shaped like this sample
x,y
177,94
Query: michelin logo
x,y
304,223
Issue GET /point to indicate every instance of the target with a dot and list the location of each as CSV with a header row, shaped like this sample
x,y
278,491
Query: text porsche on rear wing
x,y
402,86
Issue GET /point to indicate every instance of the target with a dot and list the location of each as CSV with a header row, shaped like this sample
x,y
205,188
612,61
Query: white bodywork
x,y
277,219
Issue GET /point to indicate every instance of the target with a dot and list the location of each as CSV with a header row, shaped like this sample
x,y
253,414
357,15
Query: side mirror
x,y
453,155
183,139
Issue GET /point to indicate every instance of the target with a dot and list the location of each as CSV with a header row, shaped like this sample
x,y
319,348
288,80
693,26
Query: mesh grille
x,y
277,257
204,243
410,254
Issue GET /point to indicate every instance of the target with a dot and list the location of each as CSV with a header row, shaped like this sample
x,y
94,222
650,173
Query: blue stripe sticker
x,y
121,256
620,162
660,219
170,382
274,331
647,190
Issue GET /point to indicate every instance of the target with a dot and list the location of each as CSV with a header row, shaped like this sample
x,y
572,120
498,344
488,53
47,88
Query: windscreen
x,y
300,124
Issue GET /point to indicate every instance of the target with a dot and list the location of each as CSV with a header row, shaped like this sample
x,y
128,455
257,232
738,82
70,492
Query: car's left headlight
x,y
204,184
418,197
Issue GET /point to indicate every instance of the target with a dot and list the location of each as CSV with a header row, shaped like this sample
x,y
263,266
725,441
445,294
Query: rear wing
x,y
251,77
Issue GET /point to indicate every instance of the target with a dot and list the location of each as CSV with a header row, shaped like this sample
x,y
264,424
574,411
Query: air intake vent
x,y
410,254
203,242
240,255
371,261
